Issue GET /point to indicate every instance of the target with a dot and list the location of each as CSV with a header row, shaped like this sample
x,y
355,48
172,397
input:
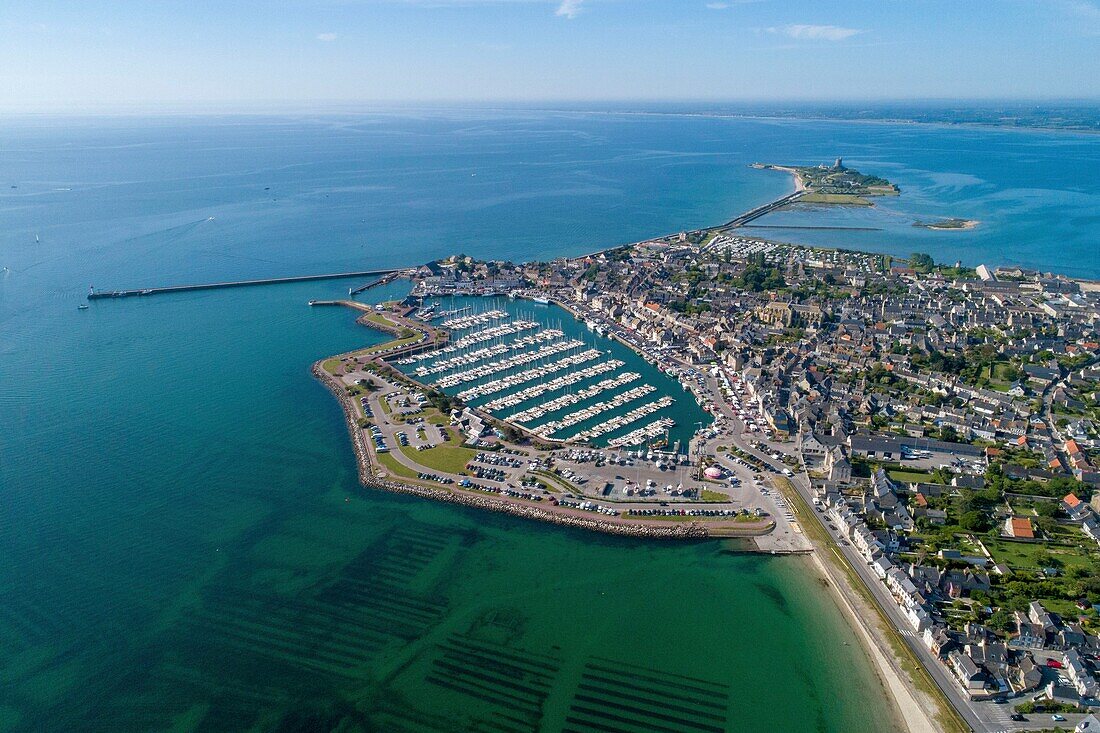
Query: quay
x,y
99,294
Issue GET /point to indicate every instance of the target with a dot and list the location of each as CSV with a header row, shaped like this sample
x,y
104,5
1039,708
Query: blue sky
x,y
119,53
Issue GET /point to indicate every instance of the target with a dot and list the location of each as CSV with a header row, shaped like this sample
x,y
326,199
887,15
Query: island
x,y
948,224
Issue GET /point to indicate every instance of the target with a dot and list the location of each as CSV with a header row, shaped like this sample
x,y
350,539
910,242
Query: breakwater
x,y
369,478
102,294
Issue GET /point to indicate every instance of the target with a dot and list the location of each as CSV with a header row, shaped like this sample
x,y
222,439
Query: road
x,y
983,717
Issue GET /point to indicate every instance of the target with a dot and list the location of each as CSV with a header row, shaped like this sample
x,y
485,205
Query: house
x,y
1078,673
1029,635
1091,526
812,446
1074,507
838,465
1019,527
1088,724
971,677
939,640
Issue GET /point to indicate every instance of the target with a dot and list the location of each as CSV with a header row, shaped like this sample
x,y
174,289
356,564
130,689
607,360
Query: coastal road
x,y
984,716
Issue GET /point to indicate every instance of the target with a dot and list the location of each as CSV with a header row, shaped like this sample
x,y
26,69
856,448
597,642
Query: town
x,y
938,423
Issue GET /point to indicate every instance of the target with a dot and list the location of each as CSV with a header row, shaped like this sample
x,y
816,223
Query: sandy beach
x,y
911,712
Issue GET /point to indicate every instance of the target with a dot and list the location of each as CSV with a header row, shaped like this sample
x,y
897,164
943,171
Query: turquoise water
x,y
183,543
684,411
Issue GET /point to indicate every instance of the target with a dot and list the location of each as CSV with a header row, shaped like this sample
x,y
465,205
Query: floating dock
x,y
98,294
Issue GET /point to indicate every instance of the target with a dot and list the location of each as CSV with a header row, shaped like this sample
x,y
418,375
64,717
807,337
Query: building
x,y
970,676
838,466
1078,672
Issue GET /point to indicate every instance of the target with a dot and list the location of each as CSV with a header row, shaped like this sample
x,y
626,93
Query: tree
x,y
1001,620
921,262
974,521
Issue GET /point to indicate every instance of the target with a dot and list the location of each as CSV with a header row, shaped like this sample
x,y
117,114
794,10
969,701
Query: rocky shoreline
x,y
369,480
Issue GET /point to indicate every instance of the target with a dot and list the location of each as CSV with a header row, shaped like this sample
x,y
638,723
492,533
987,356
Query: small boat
x,y
540,299
82,307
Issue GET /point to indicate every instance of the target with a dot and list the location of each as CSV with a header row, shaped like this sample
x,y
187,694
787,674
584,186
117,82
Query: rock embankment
x,y
368,478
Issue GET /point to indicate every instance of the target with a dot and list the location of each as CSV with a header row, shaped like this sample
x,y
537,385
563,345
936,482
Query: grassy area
x,y
559,483
445,458
379,318
397,469
948,719
1038,555
708,495
332,366
396,343
915,477
842,199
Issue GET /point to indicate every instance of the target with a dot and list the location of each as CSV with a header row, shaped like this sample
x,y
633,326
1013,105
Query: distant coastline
x,y
796,117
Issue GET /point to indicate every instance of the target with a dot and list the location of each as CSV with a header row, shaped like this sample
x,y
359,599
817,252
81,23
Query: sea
x,y
184,545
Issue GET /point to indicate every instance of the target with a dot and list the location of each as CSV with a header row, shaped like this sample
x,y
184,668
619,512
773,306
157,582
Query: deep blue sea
x,y
183,541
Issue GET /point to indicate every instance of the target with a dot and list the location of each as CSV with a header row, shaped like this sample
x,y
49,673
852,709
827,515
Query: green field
x,y
916,477
380,319
708,495
397,469
446,458
1038,555
840,199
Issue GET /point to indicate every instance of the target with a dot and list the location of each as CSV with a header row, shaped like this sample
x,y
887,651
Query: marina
x,y
511,362
557,377
557,383
572,398
587,413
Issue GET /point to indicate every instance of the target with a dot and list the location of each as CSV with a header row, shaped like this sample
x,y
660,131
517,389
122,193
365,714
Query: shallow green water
x,y
231,574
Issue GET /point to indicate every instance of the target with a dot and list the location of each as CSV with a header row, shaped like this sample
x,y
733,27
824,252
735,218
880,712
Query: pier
x,y
98,294
760,211
374,283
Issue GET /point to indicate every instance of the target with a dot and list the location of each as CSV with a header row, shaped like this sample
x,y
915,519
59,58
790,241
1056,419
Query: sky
x,y
78,55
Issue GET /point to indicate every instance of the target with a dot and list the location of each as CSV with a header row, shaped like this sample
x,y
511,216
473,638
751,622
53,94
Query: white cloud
x,y
803,32
718,6
569,9
326,37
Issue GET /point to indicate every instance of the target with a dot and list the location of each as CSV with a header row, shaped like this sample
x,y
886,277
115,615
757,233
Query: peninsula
x,y
928,433
834,184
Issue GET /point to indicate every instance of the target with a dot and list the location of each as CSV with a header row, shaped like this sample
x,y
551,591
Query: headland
x,y
839,401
